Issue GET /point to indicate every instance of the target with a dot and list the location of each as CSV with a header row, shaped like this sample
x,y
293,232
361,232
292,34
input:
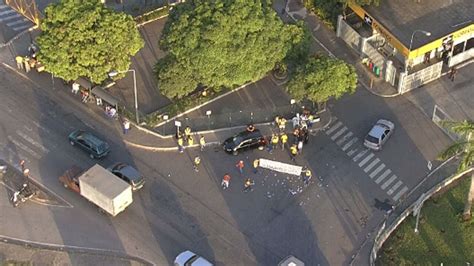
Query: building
x,y
410,42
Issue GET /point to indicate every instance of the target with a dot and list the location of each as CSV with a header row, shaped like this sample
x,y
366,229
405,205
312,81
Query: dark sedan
x,y
128,174
243,141
93,145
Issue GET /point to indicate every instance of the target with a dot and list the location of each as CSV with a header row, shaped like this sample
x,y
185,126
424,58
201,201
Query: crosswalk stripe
x,y
344,138
342,130
371,165
348,144
333,128
400,193
24,147
352,152
377,170
366,159
384,175
7,12
12,17
389,181
32,141
21,27
16,22
392,189
359,155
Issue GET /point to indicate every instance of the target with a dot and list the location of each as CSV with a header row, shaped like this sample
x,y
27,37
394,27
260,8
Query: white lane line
x,y
32,141
400,193
384,175
352,152
359,155
24,147
366,159
344,138
377,170
348,144
371,165
333,128
392,189
389,181
342,130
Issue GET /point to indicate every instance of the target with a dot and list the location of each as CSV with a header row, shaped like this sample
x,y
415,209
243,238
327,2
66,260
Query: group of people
x,y
185,136
248,182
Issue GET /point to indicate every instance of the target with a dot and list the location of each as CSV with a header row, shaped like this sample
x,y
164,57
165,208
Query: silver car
x,y
379,134
189,258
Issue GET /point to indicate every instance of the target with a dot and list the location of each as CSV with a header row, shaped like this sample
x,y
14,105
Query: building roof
x,y
440,17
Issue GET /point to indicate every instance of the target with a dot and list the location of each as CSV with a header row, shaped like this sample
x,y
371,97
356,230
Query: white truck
x,y
101,187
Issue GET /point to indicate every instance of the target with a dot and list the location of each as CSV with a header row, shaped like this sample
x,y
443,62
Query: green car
x,y
90,143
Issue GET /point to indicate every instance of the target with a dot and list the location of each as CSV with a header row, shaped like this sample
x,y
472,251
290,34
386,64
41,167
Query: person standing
x,y
190,140
300,146
187,132
284,140
274,141
180,144
240,166
202,142
452,74
307,175
256,163
126,126
225,181
282,124
197,161
75,87
293,152
248,185
19,62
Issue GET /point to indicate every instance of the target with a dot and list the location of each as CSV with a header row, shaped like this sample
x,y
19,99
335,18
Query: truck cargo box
x,y
105,190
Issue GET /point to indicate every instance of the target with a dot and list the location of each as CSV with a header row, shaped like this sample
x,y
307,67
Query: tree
x,y
465,147
84,38
221,43
322,78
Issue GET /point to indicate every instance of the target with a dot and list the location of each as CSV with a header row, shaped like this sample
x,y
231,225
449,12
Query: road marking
x,y
41,127
24,147
377,170
352,152
348,144
371,165
392,189
32,141
359,155
342,130
344,138
400,193
366,159
333,128
389,181
384,175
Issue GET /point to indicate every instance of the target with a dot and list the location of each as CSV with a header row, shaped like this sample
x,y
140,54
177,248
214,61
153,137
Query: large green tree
x,y
322,78
465,148
221,43
84,38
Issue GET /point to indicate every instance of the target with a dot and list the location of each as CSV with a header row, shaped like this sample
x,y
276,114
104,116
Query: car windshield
x,y
237,140
372,139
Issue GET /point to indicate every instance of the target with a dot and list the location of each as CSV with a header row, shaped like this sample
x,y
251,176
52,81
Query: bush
x,y
327,10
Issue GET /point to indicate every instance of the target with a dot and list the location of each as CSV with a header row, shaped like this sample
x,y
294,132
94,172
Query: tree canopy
x,y
84,38
221,43
322,78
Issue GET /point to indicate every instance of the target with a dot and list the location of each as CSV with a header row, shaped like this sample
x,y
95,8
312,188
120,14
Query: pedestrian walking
x,y
26,60
293,152
180,144
277,121
282,124
452,73
240,166
202,143
197,161
300,147
190,141
85,96
256,163
307,175
225,181
248,185
284,140
187,132
19,62
126,126
274,140
75,88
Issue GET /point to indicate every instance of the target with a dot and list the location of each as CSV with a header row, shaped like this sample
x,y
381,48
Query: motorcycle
x,y
22,195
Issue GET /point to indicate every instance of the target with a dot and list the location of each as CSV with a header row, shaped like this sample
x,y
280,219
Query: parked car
x,y
128,174
96,147
243,141
379,134
188,258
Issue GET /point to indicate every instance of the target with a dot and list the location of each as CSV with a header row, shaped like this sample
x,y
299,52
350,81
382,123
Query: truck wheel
x,y
72,143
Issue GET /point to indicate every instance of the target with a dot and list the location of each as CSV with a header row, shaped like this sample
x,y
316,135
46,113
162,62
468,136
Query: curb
x,y
378,94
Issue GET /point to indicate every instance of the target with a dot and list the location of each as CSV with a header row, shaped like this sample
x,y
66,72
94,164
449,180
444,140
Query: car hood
x,y
229,143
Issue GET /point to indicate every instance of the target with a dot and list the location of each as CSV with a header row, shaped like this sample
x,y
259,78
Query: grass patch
x,y
442,237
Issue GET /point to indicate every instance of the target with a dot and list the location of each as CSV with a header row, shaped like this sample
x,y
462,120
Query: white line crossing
x,y
377,170
384,175
394,188
19,28
388,182
16,22
359,155
371,165
24,147
400,193
342,130
333,128
32,141
348,144
344,138
366,159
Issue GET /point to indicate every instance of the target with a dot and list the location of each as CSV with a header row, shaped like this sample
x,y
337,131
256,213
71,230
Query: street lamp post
x,y
115,73
427,33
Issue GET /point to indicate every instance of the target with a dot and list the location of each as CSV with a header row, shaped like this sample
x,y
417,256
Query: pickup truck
x,y
100,186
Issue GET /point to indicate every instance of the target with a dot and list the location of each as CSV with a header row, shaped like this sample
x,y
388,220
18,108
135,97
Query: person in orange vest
x,y
240,166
